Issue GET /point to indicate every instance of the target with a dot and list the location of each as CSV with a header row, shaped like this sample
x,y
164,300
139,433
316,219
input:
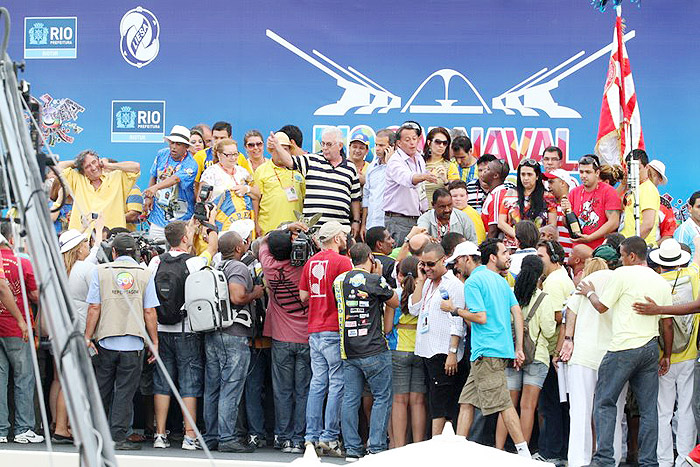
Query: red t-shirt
x,y
317,279
590,207
8,324
667,222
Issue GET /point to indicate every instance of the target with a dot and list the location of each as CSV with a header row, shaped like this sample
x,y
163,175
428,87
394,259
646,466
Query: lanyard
x,y
167,164
470,175
428,296
274,169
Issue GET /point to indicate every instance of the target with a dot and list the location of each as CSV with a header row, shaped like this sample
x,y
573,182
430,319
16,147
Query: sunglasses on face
x,y
254,145
440,142
431,264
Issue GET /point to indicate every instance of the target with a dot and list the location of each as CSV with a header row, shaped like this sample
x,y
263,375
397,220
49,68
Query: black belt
x,y
396,214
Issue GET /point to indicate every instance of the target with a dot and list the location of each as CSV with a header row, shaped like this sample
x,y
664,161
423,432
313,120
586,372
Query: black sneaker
x,y
126,446
236,446
60,439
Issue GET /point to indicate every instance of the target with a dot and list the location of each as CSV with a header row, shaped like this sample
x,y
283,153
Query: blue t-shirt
x,y
177,201
487,291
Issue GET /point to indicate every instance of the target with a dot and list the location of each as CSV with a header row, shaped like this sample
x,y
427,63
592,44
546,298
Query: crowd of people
x,y
374,297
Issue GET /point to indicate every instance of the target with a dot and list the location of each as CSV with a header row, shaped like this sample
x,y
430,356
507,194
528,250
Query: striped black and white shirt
x,y
329,190
476,195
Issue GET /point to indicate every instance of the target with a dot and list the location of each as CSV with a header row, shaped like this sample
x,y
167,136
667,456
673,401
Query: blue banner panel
x,y
138,121
50,37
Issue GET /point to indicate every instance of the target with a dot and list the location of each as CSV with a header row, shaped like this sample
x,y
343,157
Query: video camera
x,y
146,248
303,246
202,208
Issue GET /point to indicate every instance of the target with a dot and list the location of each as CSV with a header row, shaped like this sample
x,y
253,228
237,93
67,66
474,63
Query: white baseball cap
x,y
465,248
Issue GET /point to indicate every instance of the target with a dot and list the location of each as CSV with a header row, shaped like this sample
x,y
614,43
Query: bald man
x,y
577,260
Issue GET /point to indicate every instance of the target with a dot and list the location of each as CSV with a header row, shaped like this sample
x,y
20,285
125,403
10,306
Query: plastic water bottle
x,y
444,294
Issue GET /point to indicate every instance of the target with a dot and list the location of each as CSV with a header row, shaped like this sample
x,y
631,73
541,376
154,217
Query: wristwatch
x,y
453,350
569,338
455,312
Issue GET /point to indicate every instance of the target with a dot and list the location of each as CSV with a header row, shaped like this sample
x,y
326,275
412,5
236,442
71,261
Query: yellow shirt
x,y
275,207
478,223
630,284
109,198
203,163
542,326
686,287
134,202
454,173
648,199
559,287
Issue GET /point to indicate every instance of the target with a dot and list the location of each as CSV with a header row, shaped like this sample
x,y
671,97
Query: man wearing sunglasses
x,y
438,334
596,204
404,194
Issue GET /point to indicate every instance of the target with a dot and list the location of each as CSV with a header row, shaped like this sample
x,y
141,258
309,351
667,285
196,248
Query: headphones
x,y
553,256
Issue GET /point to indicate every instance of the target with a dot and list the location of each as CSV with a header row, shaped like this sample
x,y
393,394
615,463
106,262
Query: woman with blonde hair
x,y
80,262
225,173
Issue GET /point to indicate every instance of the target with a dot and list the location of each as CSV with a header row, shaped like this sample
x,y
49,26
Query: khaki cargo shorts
x,y
486,386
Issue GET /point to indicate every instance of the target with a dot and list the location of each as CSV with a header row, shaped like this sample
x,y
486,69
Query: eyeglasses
x,y
440,142
589,160
231,154
529,163
326,144
254,145
432,264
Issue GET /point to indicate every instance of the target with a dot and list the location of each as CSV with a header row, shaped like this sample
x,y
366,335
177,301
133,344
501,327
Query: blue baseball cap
x,y
361,137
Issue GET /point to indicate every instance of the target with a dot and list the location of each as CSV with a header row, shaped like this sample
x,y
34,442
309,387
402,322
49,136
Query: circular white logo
x,y
139,30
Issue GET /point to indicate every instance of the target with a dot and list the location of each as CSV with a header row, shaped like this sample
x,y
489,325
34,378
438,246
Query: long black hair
x,y
408,268
537,203
429,139
526,282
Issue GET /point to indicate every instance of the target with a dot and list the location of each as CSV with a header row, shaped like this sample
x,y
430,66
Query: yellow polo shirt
x,y
275,207
109,198
648,199
203,163
478,223
134,202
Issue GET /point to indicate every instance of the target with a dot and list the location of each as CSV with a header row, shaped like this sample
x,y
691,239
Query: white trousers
x,y
676,385
582,381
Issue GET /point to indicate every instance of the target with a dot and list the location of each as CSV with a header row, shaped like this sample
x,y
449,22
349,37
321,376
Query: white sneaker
x,y
28,437
161,441
190,444
3,439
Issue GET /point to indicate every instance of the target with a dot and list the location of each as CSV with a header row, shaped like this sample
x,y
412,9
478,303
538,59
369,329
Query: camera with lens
x,y
146,248
201,213
303,248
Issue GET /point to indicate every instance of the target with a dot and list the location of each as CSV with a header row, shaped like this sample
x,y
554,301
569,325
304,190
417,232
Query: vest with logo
x,y
122,286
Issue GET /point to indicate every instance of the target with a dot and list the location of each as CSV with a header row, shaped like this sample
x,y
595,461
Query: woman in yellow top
x,y
407,368
436,153
525,384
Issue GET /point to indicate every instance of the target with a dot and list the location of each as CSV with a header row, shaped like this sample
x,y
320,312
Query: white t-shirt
x,y
516,259
593,330
194,264
221,181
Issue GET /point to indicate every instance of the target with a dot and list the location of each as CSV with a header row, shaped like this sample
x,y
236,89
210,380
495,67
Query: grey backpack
x,y
207,301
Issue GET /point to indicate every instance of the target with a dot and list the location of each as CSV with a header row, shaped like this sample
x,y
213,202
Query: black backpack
x,y
170,287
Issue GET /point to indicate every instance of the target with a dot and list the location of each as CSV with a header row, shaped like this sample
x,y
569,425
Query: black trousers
x,y
118,376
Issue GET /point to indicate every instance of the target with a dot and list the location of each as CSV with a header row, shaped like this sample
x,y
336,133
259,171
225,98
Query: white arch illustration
x,y
446,105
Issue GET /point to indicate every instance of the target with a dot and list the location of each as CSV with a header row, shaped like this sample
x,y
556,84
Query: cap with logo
x,y
361,137
179,134
330,229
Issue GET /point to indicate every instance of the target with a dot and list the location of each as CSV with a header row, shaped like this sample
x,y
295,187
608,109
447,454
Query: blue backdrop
x,y
515,75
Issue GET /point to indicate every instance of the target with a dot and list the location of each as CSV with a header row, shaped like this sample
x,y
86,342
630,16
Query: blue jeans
x,y
376,370
183,359
228,358
255,390
640,367
291,375
326,375
15,354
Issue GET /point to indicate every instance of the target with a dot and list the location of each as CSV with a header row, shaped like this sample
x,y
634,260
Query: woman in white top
x,y
525,384
225,174
80,261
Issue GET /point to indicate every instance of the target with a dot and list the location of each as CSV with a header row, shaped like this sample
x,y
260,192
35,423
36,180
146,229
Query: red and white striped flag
x,y
620,126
